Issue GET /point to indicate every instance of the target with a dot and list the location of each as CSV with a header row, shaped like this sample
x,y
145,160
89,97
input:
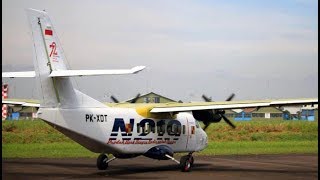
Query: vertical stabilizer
x,y
48,57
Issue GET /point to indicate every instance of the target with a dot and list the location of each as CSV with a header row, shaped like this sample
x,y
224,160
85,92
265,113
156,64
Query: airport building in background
x,y
310,113
152,97
16,112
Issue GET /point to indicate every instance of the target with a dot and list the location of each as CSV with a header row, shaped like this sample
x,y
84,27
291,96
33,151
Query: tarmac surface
x,y
206,167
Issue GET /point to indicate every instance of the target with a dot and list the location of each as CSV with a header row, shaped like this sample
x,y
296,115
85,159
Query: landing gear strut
x,y
103,161
186,162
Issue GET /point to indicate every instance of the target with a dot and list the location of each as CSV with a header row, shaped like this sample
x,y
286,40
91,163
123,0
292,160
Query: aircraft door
x,y
199,138
190,135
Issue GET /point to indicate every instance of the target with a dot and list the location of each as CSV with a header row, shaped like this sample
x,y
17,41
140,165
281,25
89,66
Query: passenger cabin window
x,y
161,129
153,129
128,128
146,128
178,130
174,129
184,129
138,127
169,129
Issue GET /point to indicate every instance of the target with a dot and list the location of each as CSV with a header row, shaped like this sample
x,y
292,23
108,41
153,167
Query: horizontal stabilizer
x,y
69,73
19,74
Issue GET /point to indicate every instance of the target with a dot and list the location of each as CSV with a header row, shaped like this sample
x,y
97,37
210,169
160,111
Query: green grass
x,y
64,149
267,130
38,139
26,131
50,150
260,147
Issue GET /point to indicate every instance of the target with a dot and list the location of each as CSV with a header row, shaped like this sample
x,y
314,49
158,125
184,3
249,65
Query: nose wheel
x,y
186,162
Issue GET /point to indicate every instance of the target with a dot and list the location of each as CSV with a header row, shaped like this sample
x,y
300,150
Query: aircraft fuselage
x,y
124,131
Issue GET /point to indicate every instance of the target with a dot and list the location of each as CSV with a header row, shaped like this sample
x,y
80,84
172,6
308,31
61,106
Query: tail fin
x,y
49,57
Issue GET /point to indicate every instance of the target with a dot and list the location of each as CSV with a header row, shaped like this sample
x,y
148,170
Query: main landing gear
x,y
186,162
103,161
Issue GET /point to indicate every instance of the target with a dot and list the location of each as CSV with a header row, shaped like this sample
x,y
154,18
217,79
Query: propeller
x,y
134,100
206,124
206,99
230,97
220,112
209,99
227,121
115,100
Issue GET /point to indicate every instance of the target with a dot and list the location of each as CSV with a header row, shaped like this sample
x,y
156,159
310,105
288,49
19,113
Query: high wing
x,y
181,107
69,73
21,102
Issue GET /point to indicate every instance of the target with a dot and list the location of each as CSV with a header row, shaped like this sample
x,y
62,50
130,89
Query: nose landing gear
x,y
186,162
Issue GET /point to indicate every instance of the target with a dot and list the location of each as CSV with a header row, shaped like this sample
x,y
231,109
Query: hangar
x,y
152,97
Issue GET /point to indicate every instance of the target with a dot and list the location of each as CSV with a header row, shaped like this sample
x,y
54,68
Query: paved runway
x,y
210,167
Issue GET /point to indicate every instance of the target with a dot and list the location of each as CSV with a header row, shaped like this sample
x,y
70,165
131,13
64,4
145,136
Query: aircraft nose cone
x,y
205,141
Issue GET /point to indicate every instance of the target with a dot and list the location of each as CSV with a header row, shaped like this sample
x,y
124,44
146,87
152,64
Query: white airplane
x,y
124,130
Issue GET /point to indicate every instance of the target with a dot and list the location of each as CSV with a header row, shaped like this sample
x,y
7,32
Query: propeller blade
x,y
115,100
206,126
228,121
205,98
230,97
134,100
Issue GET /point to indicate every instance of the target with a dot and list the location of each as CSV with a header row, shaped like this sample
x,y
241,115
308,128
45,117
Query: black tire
x,y
191,160
101,162
185,164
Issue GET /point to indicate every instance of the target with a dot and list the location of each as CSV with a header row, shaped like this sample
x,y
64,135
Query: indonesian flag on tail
x,y
48,32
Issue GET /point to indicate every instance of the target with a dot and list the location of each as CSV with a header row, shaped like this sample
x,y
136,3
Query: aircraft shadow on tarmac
x,y
58,164
203,167
123,171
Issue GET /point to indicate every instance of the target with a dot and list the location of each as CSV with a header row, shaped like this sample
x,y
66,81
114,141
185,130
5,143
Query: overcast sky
x,y
256,49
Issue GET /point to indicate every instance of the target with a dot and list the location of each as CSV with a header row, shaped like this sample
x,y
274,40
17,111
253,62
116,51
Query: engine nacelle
x,y
206,116
159,152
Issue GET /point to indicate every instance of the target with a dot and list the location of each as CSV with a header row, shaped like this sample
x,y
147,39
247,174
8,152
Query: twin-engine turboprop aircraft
x,y
124,130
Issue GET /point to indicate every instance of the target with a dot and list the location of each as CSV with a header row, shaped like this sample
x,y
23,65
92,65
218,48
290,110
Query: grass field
x,y
37,139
